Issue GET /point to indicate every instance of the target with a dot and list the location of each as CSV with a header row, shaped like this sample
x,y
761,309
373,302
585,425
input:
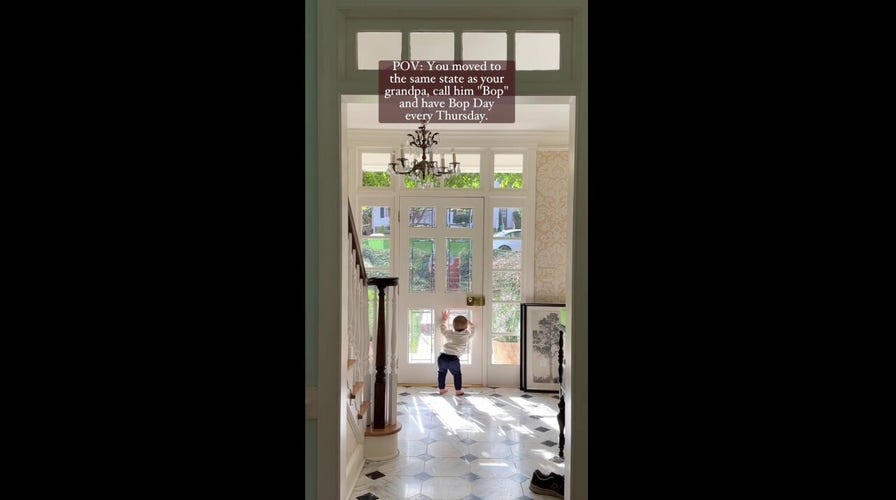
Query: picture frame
x,y
540,335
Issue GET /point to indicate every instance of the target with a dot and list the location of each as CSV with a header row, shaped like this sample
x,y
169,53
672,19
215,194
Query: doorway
x,y
440,260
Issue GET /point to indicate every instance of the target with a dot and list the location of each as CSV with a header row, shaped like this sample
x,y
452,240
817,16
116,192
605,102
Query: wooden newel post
x,y
561,416
379,384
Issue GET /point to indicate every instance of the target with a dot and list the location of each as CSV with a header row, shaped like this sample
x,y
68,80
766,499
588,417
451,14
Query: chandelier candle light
x,y
427,173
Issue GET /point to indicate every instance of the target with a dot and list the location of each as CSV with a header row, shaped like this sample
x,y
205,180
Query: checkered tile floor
x,y
483,445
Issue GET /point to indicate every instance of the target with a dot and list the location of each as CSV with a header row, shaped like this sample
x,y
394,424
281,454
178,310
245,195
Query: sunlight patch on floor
x,y
448,414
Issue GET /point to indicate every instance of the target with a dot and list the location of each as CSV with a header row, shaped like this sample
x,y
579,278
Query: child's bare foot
x,y
459,393
442,391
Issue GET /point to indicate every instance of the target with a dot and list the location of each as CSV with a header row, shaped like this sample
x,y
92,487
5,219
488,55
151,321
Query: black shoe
x,y
552,486
542,475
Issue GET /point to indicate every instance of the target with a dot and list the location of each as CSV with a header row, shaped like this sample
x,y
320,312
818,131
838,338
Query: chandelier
x,y
425,172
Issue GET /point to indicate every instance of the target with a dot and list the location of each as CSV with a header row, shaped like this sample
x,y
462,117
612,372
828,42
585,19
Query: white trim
x,y
353,468
386,140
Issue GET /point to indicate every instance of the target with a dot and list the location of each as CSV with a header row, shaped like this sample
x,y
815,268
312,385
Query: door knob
x,y
475,300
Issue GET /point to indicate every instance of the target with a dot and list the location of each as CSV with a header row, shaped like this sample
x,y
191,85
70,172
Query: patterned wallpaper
x,y
551,232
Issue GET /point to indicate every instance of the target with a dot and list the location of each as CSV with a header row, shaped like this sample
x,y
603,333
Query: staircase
x,y
371,381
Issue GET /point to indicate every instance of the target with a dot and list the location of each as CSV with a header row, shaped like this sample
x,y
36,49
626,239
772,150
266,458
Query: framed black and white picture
x,y
540,335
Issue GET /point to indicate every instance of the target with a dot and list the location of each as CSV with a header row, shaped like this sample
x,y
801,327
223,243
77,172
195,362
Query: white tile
x,y
492,468
391,487
489,450
446,488
527,466
447,467
443,449
411,448
411,432
498,489
402,466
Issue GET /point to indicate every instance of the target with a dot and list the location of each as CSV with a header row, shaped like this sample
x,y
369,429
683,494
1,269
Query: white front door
x,y
440,264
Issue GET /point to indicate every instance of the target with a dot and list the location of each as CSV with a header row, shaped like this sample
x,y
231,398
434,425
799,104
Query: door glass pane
x,y
505,349
377,253
484,45
459,264
465,357
507,219
507,242
376,46
436,46
537,51
376,221
508,171
422,265
421,338
421,217
506,285
506,318
506,254
460,217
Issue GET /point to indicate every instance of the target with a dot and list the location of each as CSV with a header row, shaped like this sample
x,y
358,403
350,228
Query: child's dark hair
x,y
460,323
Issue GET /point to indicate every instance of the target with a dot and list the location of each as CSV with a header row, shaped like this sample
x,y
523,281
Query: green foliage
x,y
376,179
517,218
459,181
366,219
463,181
376,257
509,181
506,286
508,338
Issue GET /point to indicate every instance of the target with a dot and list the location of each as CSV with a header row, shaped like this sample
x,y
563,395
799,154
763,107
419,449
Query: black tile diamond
x,y
375,475
367,496
500,404
471,477
527,396
548,443
425,456
405,394
541,429
490,387
534,416
556,397
469,458
495,395
423,476
557,460
472,497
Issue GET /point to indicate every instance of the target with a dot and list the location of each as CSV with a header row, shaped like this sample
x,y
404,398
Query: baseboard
x,y
353,469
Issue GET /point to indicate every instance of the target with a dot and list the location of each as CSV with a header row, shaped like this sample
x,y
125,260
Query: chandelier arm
x,y
424,171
